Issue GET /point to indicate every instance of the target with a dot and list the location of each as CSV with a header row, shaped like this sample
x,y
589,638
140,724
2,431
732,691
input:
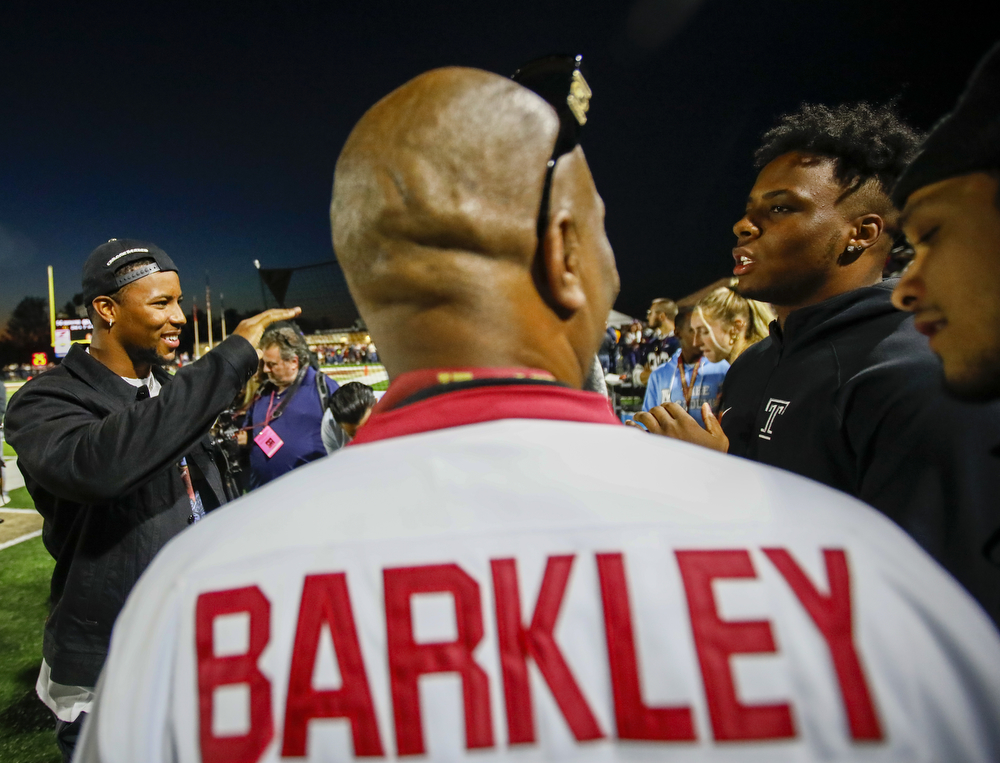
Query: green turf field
x,y
26,725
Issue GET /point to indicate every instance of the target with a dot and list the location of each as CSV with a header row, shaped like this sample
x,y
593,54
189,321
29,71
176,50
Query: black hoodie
x,y
849,394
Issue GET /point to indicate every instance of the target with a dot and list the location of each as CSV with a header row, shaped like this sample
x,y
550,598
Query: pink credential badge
x,y
269,441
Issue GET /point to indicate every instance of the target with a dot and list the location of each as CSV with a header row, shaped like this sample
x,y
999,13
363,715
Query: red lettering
x,y
716,640
634,718
214,672
409,660
832,615
517,643
325,600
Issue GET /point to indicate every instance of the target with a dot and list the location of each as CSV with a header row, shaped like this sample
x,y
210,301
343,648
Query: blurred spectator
x,y
629,346
688,378
725,324
606,353
661,343
283,424
348,409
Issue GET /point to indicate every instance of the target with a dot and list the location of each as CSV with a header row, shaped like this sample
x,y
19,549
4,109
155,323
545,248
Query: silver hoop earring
x,y
111,323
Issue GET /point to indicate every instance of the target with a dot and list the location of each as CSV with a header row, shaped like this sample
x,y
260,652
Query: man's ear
x,y
865,233
868,229
561,261
106,308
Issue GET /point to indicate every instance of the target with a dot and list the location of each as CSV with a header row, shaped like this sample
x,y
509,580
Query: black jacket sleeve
x,y
76,453
923,459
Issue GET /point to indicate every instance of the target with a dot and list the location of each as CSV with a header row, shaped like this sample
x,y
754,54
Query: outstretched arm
x,y
75,453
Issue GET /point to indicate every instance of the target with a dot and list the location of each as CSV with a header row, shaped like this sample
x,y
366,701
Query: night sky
x,y
213,130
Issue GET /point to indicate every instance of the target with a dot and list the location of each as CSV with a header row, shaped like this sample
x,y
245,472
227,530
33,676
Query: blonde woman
x,y
725,324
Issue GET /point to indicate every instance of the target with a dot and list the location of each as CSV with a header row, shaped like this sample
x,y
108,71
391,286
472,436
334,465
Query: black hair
x,y
864,141
119,295
349,402
683,315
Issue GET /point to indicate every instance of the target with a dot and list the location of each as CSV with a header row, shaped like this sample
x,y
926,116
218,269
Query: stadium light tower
x,y
208,309
194,313
263,297
222,307
52,309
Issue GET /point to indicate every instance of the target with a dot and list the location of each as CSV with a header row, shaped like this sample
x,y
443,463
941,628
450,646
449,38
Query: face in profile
x,y
953,283
279,370
657,318
791,233
684,332
149,319
712,337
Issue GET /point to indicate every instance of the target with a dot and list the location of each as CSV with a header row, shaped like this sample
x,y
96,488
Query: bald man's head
x,y
435,200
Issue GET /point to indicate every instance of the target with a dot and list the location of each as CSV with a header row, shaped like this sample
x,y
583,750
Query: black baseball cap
x,y
967,140
99,279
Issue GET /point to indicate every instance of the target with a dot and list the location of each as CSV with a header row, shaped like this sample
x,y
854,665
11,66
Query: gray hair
x,y
290,343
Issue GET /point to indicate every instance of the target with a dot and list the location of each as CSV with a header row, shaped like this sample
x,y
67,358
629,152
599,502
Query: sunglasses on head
x,y
560,82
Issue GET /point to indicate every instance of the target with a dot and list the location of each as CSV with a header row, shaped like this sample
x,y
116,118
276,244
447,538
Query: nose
x,y
910,289
745,229
178,318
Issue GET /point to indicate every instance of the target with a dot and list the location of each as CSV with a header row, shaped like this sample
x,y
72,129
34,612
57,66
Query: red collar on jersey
x,y
429,399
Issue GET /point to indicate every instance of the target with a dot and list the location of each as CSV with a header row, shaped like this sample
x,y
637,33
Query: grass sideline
x,y
27,729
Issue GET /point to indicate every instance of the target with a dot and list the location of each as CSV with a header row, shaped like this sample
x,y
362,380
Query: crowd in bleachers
x,y
347,353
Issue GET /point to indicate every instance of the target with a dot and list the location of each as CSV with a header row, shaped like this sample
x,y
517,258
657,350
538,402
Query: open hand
x,y
673,421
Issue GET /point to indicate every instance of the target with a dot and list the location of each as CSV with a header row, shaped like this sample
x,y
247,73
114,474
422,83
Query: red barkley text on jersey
x,y
325,602
506,596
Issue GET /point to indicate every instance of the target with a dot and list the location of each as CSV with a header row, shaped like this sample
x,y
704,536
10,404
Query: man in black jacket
x,y
951,193
845,390
114,453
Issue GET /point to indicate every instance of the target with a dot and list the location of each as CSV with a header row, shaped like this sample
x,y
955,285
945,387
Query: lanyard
x,y
267,416
687,389
287,395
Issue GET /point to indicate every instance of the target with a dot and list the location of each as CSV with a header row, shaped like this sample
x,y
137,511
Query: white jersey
x,y
501,592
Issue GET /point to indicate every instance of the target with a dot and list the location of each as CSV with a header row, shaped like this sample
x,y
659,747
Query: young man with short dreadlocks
x,y
844,390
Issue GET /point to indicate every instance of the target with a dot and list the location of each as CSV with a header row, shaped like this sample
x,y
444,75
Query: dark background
x,y
213,130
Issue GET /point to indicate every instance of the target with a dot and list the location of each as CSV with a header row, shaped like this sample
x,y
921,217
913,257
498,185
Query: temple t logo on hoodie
x,y
774,408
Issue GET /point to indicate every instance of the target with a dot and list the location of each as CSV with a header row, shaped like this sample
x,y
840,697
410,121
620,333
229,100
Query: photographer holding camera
x,y
115,455
283,423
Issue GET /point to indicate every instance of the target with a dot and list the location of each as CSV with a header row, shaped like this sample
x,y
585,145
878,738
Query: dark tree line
x,y
27,331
